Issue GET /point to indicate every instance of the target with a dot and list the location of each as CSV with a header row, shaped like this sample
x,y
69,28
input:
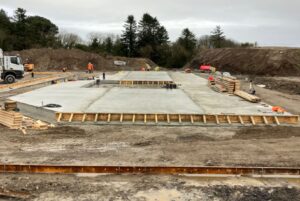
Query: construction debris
x,y
29,123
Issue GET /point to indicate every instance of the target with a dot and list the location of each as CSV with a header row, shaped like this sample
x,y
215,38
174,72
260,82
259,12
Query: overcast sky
x,y
269,22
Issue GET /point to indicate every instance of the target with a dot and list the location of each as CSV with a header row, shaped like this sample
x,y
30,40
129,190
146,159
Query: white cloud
x,y
244,20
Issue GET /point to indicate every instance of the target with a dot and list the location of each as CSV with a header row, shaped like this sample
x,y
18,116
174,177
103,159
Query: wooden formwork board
x,y
143,82
219,119
167,170
32,82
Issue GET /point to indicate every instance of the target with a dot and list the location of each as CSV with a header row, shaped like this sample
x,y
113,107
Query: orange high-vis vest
x,y
90,66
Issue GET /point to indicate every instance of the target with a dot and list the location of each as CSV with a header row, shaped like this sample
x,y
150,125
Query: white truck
x,y
11,68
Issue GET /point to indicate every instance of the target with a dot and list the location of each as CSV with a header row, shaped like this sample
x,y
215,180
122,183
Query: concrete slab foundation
x,y
193,97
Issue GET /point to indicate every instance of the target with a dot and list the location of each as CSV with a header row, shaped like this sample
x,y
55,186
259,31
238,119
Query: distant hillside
x,y
255,61
74,59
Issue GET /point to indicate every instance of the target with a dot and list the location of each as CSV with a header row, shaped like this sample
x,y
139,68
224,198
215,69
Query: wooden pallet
x,y
218,119
11,119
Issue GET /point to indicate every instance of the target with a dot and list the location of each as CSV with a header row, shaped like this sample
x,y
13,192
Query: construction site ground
x,y
153,146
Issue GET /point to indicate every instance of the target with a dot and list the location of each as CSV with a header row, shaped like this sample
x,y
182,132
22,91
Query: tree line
x,y
145,38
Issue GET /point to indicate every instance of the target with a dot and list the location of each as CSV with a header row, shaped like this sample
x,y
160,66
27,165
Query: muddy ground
x,y
145,187
146,145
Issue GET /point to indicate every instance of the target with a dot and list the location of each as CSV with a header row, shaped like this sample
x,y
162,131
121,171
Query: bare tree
x,y
69,40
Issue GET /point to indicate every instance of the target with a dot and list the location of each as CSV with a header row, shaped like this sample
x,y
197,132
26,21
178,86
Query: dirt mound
x,y
285,85
74,59
255,61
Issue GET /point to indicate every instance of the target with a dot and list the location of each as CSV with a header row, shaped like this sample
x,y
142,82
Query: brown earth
x,y
75,59
153,146
146,145
254,61
20,187
282,84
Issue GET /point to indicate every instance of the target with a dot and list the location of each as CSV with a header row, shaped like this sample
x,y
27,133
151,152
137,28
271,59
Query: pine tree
x,y
129,37
217,37
20,30
151,37
188,40
5,31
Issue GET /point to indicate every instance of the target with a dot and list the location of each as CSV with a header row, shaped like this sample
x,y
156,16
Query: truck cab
x,y
11,68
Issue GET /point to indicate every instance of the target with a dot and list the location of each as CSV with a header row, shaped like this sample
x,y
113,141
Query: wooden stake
x,y
121,118
265,120
192,119
252,120
228,119
96,117
83,118
217,119
276,120
204,119
241,120
59,117
71,117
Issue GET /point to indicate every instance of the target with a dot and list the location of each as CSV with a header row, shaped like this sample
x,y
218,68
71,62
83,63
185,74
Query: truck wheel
x,y
9,79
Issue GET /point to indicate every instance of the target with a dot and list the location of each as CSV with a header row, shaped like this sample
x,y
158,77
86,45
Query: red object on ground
x,y
278,109
211,78
205,68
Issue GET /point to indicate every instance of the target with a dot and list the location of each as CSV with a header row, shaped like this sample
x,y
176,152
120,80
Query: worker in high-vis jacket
x,y
90,67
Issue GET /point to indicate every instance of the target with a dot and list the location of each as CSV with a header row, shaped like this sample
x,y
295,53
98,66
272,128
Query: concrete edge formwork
x,y
144,83
40,113
177,119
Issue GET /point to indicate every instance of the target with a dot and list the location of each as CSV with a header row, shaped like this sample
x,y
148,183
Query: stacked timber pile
x,y
229,83
11,119
15,120
232,85
246,96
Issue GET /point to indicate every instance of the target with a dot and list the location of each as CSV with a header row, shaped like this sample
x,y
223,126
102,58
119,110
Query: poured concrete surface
x,y
213,102
193,97
149,101
147,76
72,96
